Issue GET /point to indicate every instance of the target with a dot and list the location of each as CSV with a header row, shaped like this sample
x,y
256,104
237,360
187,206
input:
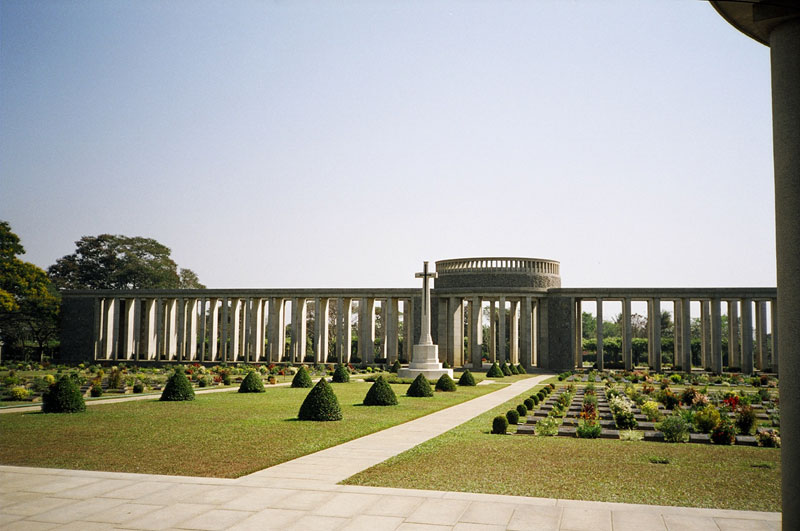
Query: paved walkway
x,y
302,494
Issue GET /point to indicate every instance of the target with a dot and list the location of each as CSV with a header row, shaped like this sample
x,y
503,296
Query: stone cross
x,y
425,334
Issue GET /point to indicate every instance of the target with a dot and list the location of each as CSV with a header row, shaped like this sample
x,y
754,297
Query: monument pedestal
x,y
425,361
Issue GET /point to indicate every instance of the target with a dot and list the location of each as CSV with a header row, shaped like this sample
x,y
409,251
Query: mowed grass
x,y
216,435
470,459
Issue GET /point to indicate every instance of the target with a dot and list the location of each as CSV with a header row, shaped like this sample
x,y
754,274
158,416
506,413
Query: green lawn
x,y
217,435
470,459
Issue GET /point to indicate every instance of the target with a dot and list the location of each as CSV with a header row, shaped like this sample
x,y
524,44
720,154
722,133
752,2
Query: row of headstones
x,y
606,420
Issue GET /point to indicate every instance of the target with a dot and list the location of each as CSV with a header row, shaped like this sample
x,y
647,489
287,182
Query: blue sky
x,y
339,144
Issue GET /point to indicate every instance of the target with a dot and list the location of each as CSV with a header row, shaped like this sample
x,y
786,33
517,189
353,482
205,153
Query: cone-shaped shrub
x,y
395,366
512,369
505,369
380,394
320,403
420,387
521,369
500,425
178,388
63,397
466,379
302,379
445,383
341,374
494,371
252,383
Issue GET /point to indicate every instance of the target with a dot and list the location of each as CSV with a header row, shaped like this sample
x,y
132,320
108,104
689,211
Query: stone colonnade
x,y
748,310
247,327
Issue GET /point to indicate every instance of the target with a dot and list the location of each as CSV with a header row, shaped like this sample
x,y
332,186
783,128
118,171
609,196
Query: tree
x,y
29,305
111,261
588,325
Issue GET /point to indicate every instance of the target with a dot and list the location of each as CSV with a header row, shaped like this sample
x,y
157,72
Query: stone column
x,y
161,329
97,331
784,45
705,335
775,358
277,330
502,353
172,335
513,335
577,329
541,327
408,328
654,322
191,329
686,334
526,333
734,357
235,330
492,332
180,329
151,332
600,363
715,351
627,332
455,331
213,330
131,328
298,330
748,363
225,333
474,333
256,339
343,331
390,316
761,336
441,332
366,330
321,307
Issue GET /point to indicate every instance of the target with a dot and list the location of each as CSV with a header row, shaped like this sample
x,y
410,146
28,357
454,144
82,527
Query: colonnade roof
x,y
309,293
666,293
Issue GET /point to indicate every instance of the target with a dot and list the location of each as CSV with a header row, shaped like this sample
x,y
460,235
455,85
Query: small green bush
x,y
380,394
302,379
706,419
96,391
494,371
625,420
768,438
521,369
18,393
341,374
650,410
320,404
252,383
513,369
505,369
178,388
588,430
547,427
63,397
674,428
226,378
138,387
745,419
724,433
535,399
522,410
420,387
467,380
500,425
512,416
445,384
395,366
528,404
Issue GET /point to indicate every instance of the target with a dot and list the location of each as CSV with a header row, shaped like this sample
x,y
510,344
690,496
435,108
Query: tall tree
x,y
111,261
29,305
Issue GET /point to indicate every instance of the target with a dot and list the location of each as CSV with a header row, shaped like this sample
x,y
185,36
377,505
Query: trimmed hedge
x,y
395,366
467,380
420,387
522,410
512,368
178,388
528,404
380,394
63,397
341,374
252,383
445,384
521,369
505,369
512,416
302,379
494,371
320,404
500,425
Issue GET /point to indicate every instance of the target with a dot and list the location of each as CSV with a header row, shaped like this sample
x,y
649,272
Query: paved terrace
x,y
302,494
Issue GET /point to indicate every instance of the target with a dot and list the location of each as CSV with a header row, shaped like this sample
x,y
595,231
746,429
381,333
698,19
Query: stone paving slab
x,y
293,496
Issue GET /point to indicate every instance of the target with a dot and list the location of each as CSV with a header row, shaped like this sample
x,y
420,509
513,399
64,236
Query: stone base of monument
x,y
425,361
